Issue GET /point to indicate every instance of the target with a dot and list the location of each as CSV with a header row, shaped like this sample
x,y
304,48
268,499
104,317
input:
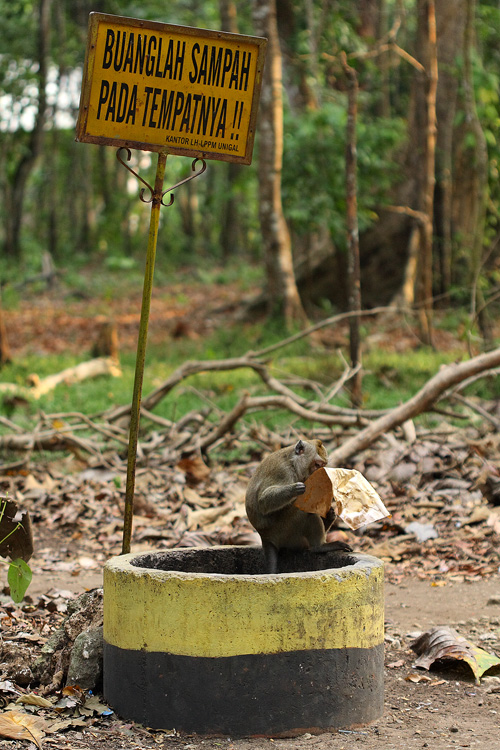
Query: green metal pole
x,y
141,352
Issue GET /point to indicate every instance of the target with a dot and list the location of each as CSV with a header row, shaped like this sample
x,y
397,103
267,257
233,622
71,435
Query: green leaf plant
x,y
16,542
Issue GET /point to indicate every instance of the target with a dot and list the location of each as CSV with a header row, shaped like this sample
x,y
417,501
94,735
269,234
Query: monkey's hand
x,y
279,496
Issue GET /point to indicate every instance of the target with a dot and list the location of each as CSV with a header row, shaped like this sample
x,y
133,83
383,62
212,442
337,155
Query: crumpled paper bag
x,y
355,500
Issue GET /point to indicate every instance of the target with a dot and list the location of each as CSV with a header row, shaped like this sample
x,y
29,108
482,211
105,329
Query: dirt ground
x,y
445,709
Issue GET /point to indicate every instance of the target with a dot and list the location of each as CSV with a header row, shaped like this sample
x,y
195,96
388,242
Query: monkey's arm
x,y
329,519
279,496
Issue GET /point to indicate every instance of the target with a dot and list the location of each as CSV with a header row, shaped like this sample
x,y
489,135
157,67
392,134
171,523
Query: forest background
x,y
427,149
346,285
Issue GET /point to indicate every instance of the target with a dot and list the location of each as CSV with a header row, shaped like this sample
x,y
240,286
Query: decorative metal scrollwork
x,y
186,179
197,173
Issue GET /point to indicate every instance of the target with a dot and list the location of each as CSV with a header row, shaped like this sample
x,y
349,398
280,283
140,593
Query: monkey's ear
x,y
299,448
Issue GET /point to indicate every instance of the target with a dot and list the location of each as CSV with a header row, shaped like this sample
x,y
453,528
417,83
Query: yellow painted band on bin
x,y
213,615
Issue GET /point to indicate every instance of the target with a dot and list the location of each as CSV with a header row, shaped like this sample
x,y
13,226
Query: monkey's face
x,y
321,457
309,456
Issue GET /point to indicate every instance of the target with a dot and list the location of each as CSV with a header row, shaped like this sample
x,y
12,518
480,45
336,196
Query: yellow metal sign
x,y
158,87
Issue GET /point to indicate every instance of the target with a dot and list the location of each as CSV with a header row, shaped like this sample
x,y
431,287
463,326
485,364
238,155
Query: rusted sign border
x,y
81,129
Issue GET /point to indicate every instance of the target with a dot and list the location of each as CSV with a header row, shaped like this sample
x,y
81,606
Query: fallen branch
x,y
226,424
184,371
249,404
494,373
83,371
250,359
40,386
194,432
188,369
11,425
52,440
477,408
423,400
110,431
323,407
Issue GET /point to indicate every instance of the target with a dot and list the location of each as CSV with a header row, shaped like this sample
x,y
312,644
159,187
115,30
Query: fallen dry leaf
x,y
479,514
16,536
74,691
193,498
31,699
494,520
202,518
95,705
388,550
20,726
194,468
415,677
60,724
395,664
446,644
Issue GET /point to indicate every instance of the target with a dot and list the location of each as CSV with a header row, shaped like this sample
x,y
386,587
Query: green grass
x,y
389,378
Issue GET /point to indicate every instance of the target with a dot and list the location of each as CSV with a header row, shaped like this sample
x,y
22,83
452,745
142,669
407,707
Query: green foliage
x,y
228,274
19,578
19,573
18,38
314,167
100,218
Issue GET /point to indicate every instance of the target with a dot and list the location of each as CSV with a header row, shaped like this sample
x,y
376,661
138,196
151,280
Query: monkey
x,y
270,498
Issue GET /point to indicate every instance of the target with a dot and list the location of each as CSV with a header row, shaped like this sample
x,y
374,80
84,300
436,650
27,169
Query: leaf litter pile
x,y
443,493
442,489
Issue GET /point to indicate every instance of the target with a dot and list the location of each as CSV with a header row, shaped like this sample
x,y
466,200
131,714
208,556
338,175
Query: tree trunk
x,y
352,230
385,246
425,135
281,290
450,19
475,238
368,12
384,105
229,234
17,185
5,355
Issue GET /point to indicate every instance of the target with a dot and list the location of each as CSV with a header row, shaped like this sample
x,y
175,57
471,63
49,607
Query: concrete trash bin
x,y
202,640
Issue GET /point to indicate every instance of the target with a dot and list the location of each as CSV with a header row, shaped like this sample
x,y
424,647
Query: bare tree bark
x,y
368,11
281,294
427,33
480,158
229,235
450,19
384,105
5,355
352,229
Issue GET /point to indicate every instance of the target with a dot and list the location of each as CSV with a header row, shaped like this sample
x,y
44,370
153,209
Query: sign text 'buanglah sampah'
x,y
155,87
